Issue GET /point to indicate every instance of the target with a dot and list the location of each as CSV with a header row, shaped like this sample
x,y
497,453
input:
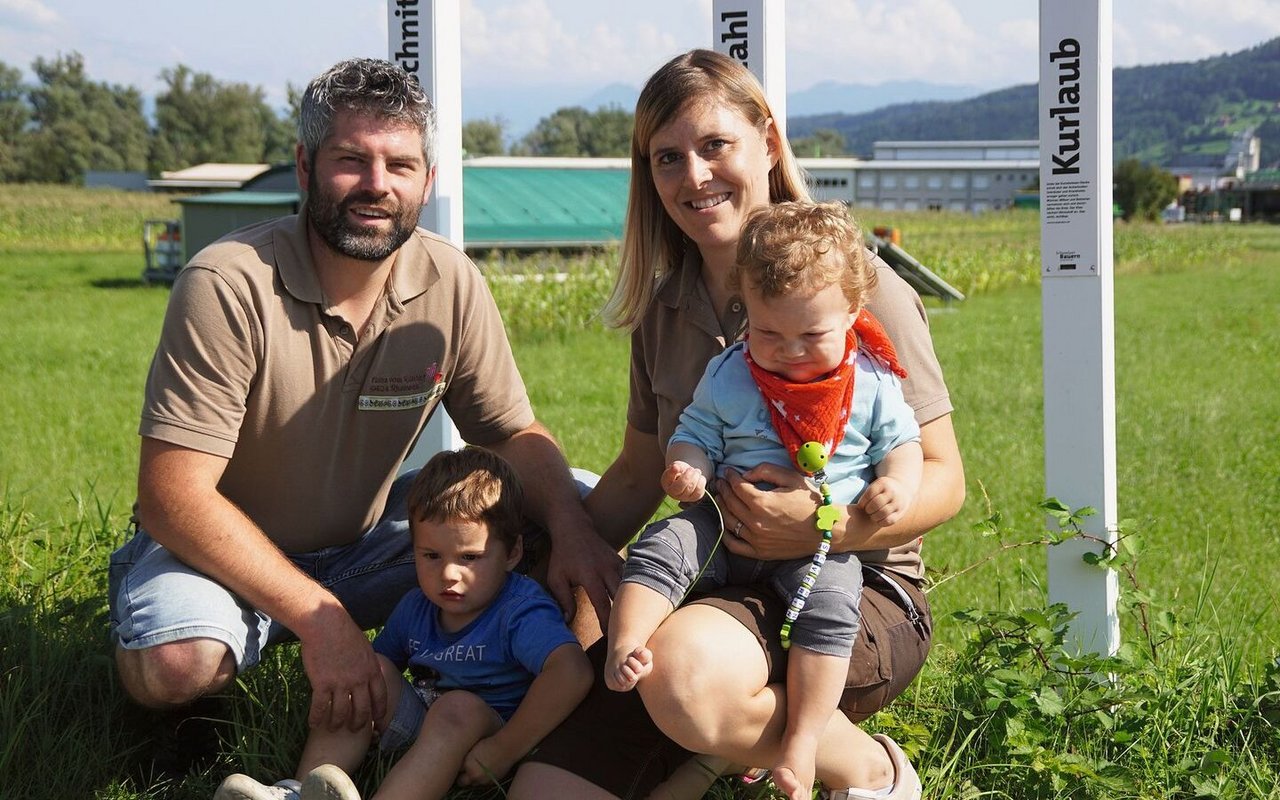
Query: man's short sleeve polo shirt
x,y
315,421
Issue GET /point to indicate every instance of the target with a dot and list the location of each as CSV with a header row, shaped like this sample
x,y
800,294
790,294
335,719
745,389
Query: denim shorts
x,y
410,713
156,599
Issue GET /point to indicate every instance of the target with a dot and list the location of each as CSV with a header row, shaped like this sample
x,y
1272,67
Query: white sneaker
x,y
906,783
327,782
242,787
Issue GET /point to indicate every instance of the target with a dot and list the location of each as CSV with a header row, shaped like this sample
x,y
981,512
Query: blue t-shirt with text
x,y
496,656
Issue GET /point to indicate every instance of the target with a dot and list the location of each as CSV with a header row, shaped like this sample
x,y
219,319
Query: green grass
x,y
1197,434
1197,456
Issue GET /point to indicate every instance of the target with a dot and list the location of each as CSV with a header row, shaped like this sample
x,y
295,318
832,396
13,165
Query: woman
x,y
706,151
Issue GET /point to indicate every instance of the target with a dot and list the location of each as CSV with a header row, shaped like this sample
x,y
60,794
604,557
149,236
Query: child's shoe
x,y
242,787
327,782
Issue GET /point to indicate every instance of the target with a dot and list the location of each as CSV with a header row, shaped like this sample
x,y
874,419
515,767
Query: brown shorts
x,y
610,741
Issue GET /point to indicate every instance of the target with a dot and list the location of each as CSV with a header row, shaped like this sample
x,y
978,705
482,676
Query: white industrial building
x,y
970,176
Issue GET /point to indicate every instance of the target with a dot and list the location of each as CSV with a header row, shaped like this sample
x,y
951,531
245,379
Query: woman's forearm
x,y
629,491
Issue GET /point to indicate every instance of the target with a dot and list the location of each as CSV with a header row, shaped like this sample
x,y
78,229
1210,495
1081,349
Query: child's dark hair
x,y
474,485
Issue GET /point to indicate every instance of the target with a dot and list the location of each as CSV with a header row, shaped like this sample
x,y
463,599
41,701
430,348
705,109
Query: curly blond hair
x,y
803,246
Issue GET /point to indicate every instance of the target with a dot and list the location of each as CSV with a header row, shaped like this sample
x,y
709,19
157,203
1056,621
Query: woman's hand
x,y
769,524
774,524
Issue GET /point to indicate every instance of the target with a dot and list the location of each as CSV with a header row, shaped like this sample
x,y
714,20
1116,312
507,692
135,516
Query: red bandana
x,y
818,411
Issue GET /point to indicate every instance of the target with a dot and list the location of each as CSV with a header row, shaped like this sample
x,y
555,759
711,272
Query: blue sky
x,y
523,46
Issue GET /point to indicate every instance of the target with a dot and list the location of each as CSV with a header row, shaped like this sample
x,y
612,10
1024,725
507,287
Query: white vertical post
x,y
425,38
754,32
1076,261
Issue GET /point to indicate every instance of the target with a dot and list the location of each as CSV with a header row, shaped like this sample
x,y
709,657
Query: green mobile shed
x,y
208,217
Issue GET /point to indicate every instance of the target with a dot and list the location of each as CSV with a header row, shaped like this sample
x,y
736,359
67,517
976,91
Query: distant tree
x,y
199,119
557,135
1142,191
574,131
14,115
80,125
607,132
282,132
824,142
483,137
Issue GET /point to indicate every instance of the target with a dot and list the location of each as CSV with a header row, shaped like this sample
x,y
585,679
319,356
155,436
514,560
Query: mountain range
x,y
521,113
1162,114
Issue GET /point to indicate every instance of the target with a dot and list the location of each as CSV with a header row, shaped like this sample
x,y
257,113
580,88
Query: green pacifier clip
x,y
812,459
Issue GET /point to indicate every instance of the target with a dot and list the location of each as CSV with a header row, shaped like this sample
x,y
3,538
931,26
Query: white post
x,y
425,38
1076,261
755,33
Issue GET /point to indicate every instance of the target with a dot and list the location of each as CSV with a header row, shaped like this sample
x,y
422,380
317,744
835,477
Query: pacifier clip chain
x,y
812,458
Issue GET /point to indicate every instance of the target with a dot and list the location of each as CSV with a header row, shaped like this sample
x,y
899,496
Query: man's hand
x,y
579,557
583,559
683,482
347,689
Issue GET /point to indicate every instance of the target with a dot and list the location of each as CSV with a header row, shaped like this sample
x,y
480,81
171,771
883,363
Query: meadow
x,y
1195,698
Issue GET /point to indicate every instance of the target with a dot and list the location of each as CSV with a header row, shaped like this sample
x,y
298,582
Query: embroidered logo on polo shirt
x,y
399,402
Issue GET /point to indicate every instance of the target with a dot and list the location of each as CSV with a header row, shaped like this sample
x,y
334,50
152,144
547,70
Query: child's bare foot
x,y
792,785
794,774
625,669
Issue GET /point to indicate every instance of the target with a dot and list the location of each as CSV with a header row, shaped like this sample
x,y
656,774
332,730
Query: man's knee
x,y
175,673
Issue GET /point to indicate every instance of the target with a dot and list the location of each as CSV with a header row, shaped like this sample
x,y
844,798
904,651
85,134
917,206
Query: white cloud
x,y
30,14
572,41
876,41
522,45
1161,31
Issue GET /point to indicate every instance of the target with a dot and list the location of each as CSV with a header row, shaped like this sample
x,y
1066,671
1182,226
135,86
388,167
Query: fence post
x,y
754,32
1076,292
425,38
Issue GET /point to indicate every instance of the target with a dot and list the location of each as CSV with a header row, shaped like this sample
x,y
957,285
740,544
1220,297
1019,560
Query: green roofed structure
x,y
562,202
509,203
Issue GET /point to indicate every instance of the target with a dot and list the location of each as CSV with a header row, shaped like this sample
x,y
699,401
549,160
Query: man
x,y
298,362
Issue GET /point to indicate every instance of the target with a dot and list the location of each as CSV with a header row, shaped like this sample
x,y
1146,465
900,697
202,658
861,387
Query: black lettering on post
x,y
1067,57
410,36
736,31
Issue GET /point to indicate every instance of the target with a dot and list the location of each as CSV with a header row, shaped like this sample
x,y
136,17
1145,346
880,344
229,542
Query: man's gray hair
x,y
369,87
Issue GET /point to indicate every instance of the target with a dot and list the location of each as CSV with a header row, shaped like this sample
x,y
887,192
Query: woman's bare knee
x,y
705,666
175,673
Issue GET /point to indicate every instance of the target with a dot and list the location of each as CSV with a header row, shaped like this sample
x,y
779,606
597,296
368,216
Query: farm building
x,y
972,176
509,203
520,202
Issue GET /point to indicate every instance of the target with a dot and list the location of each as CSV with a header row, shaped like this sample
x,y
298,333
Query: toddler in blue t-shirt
x,y
493,667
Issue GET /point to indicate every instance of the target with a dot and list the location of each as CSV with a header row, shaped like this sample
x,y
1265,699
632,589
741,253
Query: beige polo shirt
x,y
681,332
253,367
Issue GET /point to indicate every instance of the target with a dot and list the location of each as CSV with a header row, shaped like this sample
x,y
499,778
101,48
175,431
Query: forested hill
x,y
1162,112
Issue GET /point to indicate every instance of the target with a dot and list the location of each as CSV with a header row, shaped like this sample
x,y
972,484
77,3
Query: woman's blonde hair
x,y
652,244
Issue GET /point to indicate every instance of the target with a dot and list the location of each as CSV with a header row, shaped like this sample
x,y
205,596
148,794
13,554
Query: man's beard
x,y
328,216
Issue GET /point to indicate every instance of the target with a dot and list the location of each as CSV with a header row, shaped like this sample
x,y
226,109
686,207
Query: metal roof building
x,y
555,202
508,202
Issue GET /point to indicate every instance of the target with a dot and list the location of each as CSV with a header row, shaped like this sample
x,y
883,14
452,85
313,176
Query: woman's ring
x,y
737,529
